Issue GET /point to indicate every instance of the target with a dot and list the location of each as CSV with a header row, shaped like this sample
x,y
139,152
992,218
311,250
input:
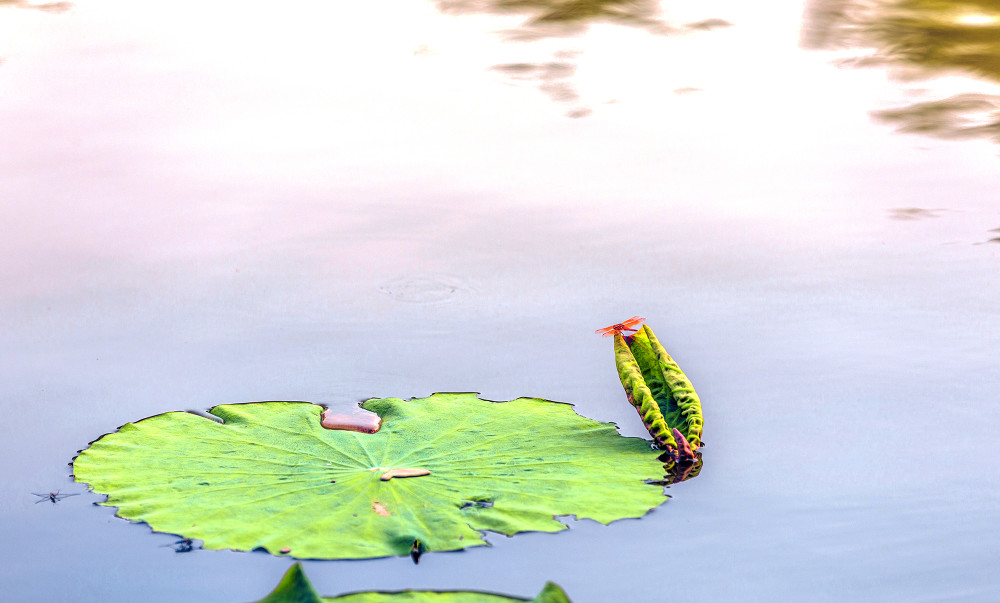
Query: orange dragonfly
x,y
631,325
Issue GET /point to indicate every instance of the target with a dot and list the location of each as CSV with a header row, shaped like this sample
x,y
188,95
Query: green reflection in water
x,y
921,39
565,19
956,117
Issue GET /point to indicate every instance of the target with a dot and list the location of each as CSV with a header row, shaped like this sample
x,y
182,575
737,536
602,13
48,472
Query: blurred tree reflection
x,y
921,39
564,19
49,7
957,117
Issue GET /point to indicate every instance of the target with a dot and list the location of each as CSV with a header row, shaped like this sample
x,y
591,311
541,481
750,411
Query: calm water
x,y
224,202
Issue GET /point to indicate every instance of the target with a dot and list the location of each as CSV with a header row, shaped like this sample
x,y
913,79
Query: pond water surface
x,y
222,202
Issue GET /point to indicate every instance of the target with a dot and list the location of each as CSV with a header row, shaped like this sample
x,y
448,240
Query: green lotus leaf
x,y
659,390
295,588
269,476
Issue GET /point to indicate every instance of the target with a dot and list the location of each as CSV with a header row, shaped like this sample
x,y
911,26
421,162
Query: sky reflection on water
x,y
222,203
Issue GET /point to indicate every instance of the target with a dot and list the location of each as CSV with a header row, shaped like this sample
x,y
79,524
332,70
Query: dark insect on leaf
x,y
477,503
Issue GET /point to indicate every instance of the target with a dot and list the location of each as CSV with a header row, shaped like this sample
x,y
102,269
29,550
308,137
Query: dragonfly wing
x,y
625,325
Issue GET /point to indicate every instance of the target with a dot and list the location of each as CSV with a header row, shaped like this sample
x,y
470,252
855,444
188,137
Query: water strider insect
x,y
631,325
52,497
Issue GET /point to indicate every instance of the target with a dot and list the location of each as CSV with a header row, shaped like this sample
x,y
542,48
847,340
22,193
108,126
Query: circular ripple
x,y
425,289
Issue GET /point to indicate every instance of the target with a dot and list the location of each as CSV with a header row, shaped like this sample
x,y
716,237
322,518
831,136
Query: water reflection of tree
x,y
49,7
563,19
920,39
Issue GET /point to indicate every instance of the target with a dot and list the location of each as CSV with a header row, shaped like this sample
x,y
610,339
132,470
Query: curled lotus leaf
x,y
657,387
296,588
439,472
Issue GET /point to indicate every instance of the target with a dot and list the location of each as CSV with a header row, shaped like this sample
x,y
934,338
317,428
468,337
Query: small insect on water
x,y
631,325
52,497
184,545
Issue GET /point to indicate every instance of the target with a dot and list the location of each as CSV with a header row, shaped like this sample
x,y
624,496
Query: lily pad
x,y
661,392
296,588
439,471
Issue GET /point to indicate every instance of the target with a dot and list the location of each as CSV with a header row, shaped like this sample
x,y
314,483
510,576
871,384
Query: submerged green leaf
x,y
269,476
295,588
660,391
